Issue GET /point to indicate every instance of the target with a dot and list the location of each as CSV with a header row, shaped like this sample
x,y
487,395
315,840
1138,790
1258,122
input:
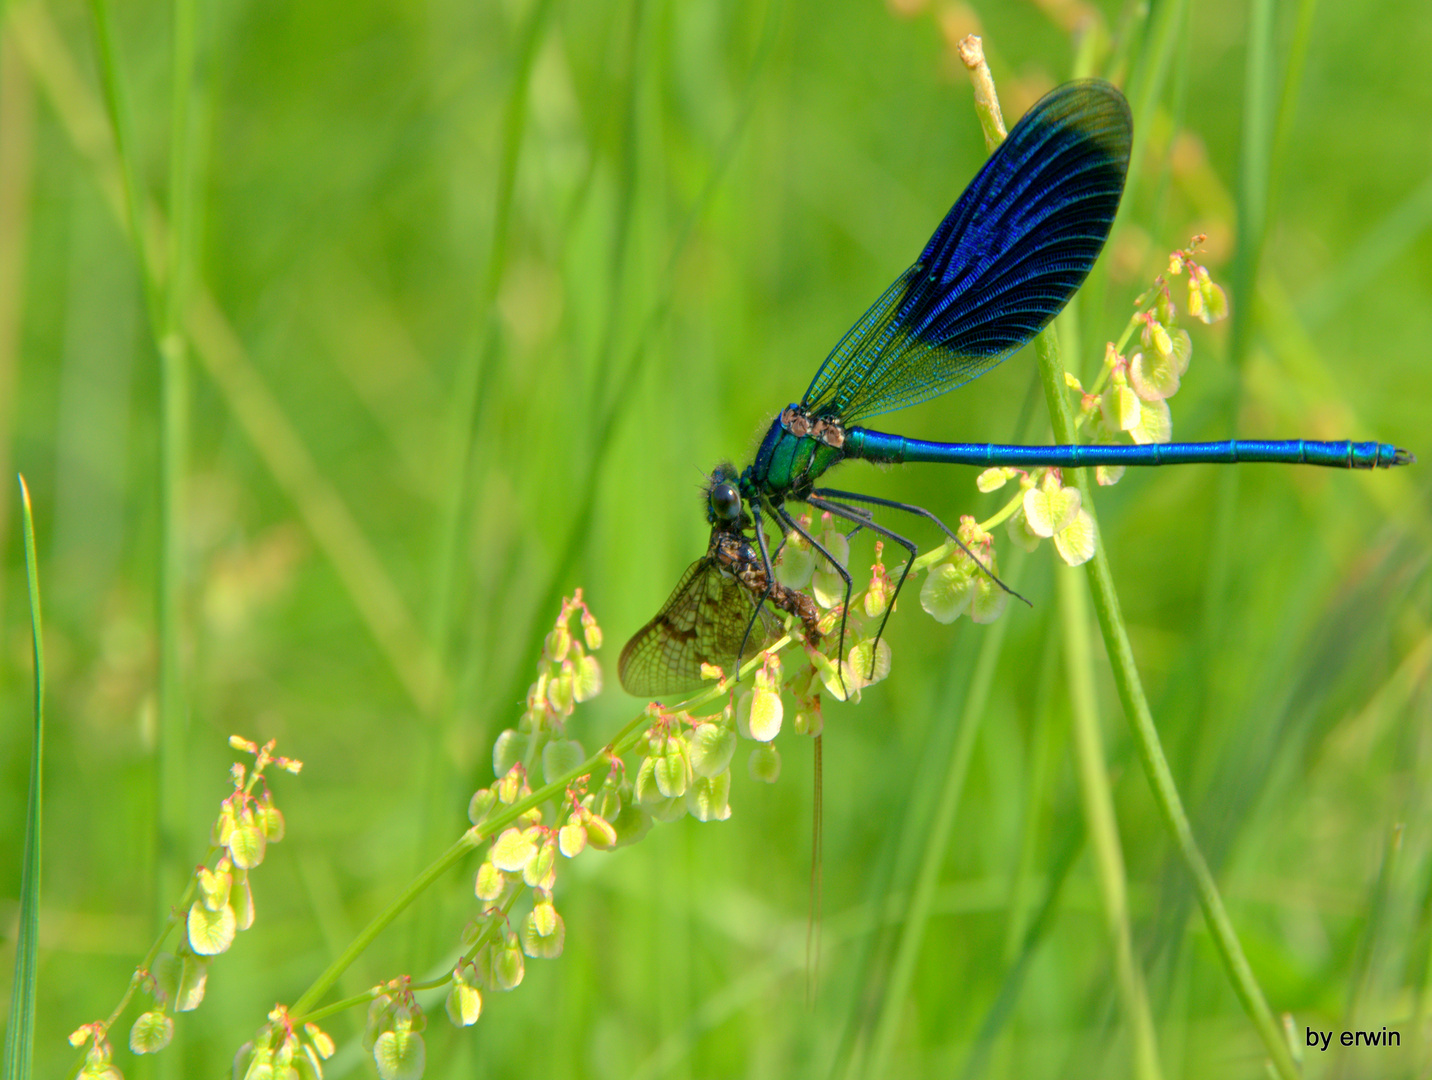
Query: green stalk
x,y
1098,800
621,743
172,749
1145,86
1158,34
162,294
468,381
1375,926
624,741
17,171
173,735
624,379
1254,164
117,106
20,1035
253,405
1292,83
919,908
1151,755
1046,744
1094,787
448,582
601,429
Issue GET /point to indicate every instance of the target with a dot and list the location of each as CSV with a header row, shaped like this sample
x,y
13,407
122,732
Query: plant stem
x,y
172,744
20,1034
919,909
1099,819
470,840
1151,755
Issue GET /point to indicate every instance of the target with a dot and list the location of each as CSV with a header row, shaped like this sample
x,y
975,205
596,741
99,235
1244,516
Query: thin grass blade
x,y
20,1035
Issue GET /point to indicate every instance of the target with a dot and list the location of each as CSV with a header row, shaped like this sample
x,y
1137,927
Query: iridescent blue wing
x,y
1004,261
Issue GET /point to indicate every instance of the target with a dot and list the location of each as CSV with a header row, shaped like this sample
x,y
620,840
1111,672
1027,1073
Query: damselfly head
x,y
723,498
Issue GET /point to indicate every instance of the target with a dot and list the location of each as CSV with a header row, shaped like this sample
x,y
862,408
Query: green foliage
x,y
469,295
19,1052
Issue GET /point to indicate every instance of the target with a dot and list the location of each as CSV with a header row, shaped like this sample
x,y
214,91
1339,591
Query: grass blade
x,y
1151,755
20,1035
218,347
940,828
17,168
1098,799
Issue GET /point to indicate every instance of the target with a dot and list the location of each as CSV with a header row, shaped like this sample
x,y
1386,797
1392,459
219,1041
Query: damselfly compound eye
x,y
725,502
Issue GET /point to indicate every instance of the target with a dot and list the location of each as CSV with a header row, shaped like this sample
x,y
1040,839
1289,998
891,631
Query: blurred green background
x,y
476,292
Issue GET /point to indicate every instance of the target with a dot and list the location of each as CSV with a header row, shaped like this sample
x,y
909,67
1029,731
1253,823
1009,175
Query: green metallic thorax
x,y
796,451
